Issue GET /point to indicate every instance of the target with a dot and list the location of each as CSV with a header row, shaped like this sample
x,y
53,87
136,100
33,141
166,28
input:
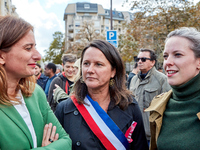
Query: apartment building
x,y
6,8
77,13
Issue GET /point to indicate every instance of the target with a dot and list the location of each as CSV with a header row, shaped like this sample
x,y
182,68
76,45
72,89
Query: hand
x,y
49,134
55,88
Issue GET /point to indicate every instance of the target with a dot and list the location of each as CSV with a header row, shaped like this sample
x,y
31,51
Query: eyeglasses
x,y
143,59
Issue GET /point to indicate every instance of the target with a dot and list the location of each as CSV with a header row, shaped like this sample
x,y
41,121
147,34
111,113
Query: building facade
x,y
77,13
6,8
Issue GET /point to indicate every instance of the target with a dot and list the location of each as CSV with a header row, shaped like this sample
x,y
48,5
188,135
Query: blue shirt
x,y
48,85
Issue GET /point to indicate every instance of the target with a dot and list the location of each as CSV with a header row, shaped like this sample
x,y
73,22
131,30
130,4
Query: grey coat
x,y
145,90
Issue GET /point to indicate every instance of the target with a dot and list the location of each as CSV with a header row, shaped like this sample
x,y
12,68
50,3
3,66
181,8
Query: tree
x,y
86,34
128,47
56,49
154,19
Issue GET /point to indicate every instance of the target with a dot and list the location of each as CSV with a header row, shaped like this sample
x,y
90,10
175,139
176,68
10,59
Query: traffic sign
x,y
111,37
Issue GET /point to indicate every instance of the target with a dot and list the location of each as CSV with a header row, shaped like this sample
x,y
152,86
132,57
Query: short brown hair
x,y
68,58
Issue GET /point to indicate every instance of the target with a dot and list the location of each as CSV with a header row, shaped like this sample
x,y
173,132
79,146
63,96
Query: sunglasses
x,y
143,59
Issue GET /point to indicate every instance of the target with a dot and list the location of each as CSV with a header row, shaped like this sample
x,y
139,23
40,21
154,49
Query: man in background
x,y
59,69
64,80
40,77
50,70
147,84
132,74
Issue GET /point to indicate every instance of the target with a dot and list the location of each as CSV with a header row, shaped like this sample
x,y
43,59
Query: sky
x,y
47,16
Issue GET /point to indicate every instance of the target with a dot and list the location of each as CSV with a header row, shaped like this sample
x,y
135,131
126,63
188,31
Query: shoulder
x,y
159,101
57,79
38,91
66,106
43,76
159,75
135,78
132,107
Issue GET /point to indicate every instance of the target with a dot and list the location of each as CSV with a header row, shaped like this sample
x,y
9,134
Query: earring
x,y
112,82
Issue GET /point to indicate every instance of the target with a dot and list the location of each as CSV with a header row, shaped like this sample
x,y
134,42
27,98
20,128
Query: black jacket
x,y
60,80
42,81
82,136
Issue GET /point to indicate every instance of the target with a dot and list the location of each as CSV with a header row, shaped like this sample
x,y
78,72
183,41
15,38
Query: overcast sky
x,y
47,16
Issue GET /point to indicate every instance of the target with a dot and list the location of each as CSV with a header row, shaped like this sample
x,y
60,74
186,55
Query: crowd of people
x,y
87,102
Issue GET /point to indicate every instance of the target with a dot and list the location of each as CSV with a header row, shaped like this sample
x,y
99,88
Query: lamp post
x,y
111,15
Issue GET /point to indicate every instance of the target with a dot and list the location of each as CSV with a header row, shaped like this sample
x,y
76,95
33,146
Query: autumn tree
x,y
86,34
154,19
127,45
56,49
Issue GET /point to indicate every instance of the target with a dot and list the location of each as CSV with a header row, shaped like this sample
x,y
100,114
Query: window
x,y
77,31
97,31
107,13
96,23
87,6
106,21
77,24
120,14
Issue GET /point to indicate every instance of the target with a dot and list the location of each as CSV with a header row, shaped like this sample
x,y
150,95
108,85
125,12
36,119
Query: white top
x,y
23,111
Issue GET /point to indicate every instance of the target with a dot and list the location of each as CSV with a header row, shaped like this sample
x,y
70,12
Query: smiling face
x,y
69,70
180,63
21,60
96,69
37,70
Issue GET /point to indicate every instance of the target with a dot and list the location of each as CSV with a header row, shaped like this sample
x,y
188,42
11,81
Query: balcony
x,y
71,27
70,36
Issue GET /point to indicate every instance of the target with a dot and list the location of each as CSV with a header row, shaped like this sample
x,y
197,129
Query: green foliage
x,y
56,49
127,47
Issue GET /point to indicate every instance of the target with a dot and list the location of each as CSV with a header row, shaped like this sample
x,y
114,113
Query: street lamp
x,y
111,15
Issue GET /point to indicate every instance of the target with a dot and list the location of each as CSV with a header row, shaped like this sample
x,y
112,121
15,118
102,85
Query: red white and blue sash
x,y
103,126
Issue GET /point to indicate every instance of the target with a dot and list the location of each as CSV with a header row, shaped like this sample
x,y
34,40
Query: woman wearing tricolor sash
x,y
101,113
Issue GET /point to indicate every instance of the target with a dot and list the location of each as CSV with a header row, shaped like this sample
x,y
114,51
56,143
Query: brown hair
x,y
68,58
12,29
118,92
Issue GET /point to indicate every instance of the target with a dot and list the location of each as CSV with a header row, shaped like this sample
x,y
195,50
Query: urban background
x,y
145,25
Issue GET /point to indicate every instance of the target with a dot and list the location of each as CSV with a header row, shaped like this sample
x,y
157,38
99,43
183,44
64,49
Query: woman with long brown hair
x,y
26,120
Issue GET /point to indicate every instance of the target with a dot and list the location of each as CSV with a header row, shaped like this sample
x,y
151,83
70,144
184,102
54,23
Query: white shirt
x,y
23,111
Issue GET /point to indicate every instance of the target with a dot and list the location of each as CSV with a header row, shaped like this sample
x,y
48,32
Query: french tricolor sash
x,y
103,126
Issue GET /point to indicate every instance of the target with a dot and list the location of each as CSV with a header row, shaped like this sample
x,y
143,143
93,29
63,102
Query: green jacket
x,y
60,94
14,133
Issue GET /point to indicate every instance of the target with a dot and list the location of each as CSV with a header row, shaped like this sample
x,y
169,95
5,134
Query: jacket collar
x,y
150,72
158,105
13,114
